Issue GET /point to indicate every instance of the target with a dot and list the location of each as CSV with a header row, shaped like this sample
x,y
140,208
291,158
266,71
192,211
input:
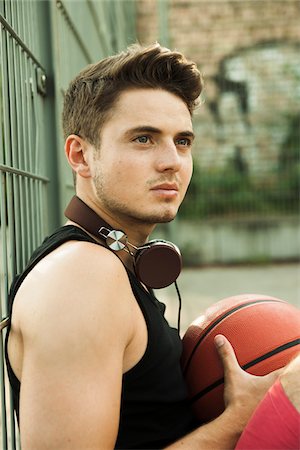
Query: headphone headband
x,y
81,213
157,264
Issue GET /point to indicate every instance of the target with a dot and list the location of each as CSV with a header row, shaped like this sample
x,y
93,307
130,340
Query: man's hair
x,y
91,96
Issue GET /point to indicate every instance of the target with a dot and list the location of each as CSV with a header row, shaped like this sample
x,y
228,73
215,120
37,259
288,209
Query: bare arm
x,y
242,394
74,344
75,339
290,380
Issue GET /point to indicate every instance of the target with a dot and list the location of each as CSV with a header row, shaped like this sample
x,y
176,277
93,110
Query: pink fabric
x,y
274,425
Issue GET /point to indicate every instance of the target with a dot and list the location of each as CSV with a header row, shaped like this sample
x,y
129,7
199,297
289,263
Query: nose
x,y
168,158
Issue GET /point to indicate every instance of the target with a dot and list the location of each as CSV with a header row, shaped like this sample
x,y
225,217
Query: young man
x,y
97,365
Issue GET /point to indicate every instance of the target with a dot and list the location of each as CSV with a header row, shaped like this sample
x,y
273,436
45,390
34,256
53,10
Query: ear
x,y
76,150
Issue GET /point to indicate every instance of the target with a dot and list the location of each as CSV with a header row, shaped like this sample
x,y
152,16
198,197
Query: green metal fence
x,y
43,44
24,180
95,30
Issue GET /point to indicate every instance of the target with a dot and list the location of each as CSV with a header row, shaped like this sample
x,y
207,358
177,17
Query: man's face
x,y
144,164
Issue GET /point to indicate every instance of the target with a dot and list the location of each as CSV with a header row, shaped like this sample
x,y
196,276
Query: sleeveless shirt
x,y
154,407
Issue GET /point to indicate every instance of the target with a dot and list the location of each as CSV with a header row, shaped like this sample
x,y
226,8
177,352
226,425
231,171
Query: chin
x,y
154,217
166,217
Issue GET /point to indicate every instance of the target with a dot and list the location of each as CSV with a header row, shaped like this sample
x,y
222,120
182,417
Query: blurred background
x,y
238,228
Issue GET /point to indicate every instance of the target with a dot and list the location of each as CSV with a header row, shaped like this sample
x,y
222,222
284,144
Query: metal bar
x,y
21,19
33,218
163,13
119,18
22,249
13,15
25,113
7,156
34,155
30,27
30,149
11,98
130,17
69,21
37,153
17,214
4,323
10,227
39,209
1,108
17,179
3,398
31,126
12,420
22,105
10,252
26,211
24,173
17,132
7,6
100,27
12,32
26,147
4,288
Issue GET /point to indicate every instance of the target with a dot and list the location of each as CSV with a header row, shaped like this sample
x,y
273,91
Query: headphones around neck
x,y
157,264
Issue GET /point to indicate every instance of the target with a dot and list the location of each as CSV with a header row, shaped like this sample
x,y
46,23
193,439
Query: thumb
x,y
227,355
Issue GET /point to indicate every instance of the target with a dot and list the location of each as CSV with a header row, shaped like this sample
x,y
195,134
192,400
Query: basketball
x,y
264,332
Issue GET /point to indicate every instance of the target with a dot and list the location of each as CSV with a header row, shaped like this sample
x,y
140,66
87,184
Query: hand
x,y
242,391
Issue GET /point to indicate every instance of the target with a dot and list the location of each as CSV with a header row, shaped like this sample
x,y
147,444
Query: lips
x,y
166,191
166,187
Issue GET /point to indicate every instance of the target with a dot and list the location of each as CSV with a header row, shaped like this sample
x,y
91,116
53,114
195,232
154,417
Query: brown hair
x,y
92,94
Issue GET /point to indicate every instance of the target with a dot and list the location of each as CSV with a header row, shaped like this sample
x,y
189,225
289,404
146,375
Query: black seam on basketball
x,y
218,320
273,352
245,367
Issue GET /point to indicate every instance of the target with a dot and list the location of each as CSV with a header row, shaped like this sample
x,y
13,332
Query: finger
x,y
227,354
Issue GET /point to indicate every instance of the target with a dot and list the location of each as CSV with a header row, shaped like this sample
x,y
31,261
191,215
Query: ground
x,y
201,287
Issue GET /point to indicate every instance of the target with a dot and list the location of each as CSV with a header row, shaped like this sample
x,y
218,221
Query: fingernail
x,y
219,340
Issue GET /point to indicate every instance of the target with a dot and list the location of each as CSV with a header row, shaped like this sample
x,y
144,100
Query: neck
x,y
90,217
136,231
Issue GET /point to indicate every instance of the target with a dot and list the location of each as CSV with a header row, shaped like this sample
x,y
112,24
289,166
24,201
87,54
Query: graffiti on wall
x,y
250,106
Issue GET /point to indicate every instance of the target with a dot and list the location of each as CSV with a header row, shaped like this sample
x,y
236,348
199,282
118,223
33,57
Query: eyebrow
x,y
149,129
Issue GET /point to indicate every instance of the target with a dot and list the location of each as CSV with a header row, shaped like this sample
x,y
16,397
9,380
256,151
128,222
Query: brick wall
x,y
209,30
248,52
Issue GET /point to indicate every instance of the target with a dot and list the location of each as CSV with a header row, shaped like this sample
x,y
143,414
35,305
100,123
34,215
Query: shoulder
x,y
73,313
79,286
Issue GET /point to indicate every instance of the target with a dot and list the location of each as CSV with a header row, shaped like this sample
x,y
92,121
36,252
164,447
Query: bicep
x,y
70,401
69,404
73,360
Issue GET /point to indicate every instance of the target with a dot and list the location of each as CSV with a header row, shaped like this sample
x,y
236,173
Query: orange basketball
x,y
264,332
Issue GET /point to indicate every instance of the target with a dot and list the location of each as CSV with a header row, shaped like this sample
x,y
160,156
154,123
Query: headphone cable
x,y
179,307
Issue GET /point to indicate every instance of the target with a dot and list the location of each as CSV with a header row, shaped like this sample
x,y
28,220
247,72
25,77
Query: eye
x,y
142,139
185,142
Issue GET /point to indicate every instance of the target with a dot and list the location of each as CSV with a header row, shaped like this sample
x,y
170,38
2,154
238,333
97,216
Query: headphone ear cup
x,y
158,264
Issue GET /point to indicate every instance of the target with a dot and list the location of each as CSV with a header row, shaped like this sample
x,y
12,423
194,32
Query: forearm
x,y
242,394
220,434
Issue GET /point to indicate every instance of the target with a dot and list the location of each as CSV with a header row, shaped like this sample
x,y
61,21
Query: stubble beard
x,y
121,210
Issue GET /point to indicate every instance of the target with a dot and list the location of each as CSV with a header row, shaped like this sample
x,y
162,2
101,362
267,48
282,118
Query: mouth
x,y
166,189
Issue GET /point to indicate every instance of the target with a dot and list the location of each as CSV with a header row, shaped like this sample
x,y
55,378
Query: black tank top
x,y
154,407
